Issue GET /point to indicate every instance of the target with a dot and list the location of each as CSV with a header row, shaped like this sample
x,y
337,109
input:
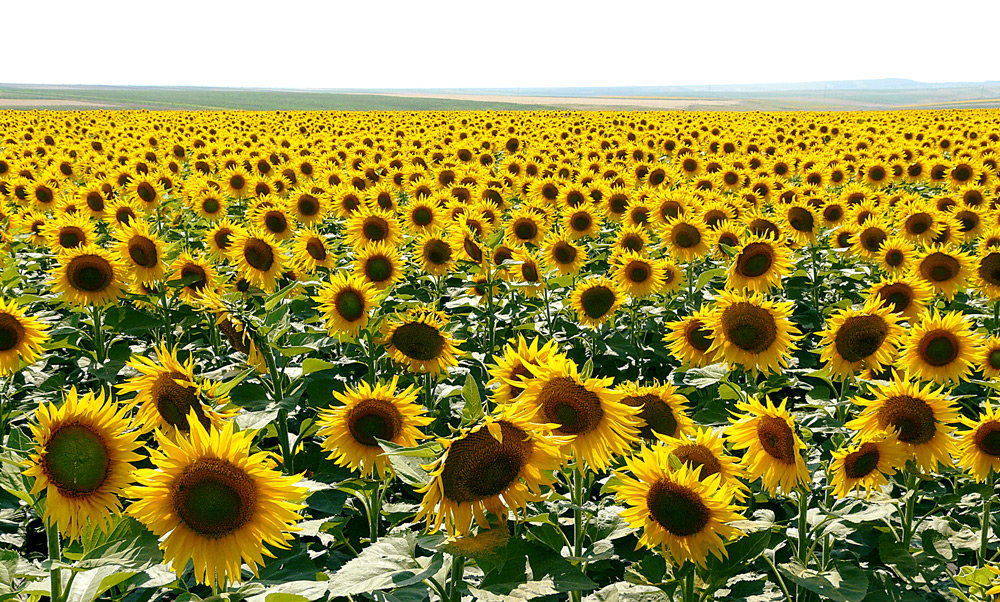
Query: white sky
x,y
493,43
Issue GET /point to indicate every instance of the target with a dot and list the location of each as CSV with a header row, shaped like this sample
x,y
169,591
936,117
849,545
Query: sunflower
x,y
378,264
210,205
142,251
89,275
417,339
690,339
167,394
21,337
211,501
436,255
662,410
595,300
987,273
941,348
197,274
921,225
310,251
468,246
896,255
706,449
309,209
560,252
989,358
528,271
759,265
69,231
866,464
638,276
979,447
352,431
688,238
753,332
856,339
870,238
371,225
510,370
82,460
603,425
580,222
905,295
921,417
423,216
236,181
800,222
945,269
345,303
773,449
524,227
497,466
219,239
272,219
235,331
680,512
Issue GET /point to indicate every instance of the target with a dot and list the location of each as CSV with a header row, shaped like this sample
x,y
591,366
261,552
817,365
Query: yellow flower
x,y
212,502
685,516
865,464
979,447
89,275
351,431
941,348
595,300
858,339
82,460
346,302
753,332
21,337
773,449
418,340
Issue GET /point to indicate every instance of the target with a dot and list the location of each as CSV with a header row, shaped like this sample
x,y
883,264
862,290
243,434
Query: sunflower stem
x,y
803,544
55,576
99,351
688,592
577,476
985,522
815,280
457,577
168,330
690,279
911,501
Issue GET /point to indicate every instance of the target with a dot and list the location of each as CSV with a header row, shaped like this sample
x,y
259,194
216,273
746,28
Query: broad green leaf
x,y
700,378
312,364
473,410
843,582
387,564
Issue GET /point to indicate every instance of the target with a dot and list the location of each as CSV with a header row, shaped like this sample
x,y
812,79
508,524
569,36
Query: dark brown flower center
x,y
685,236
987,438
989,269
372,419
597,301
418,341
437,252
860,337
695,455
316,249
576,409
939,347
777,438
755,260
659,417
142,251
801,219
350,305
479,467
678,509
71,237
214,497
749,327
175,401
90,273
861,463
939,267
11,331
910,416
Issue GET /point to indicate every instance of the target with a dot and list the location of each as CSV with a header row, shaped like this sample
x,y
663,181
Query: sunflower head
x,y
82,459
89,275
773,448
753,332
417,339
21,337
595,300
346,302
662,410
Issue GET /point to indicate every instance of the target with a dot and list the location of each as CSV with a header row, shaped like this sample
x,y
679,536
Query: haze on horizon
x,y
517,43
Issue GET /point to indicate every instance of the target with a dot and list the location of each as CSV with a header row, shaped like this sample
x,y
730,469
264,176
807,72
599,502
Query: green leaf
x,y
276,298
227,386
473,410
843,582
707,276
700,378
311,364
387,564
588,369
8,566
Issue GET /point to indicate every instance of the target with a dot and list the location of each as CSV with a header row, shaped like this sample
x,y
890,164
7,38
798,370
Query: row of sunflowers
x,y
446,356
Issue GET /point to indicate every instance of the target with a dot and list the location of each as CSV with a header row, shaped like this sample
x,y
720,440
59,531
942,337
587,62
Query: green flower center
x,y
76,460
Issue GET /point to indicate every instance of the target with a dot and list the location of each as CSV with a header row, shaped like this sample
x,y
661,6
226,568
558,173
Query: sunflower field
x,y
289,357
